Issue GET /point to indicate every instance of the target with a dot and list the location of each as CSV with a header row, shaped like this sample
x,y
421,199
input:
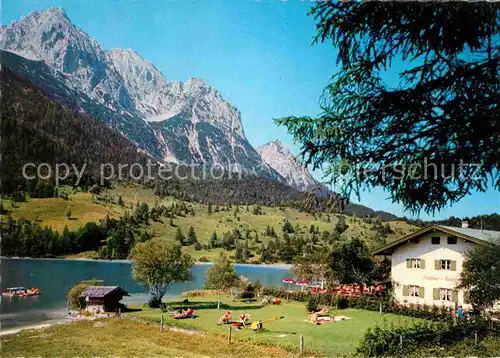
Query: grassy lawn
x,y
328,339
125,338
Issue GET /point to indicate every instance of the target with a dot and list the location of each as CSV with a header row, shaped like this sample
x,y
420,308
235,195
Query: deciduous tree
x,y
158,264
480,276
221,276
351,263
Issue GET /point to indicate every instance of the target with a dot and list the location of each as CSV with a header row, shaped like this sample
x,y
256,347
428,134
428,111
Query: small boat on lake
x,y
21,292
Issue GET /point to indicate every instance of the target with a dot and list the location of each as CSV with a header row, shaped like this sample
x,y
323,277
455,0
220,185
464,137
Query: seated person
x,y
323,311
226,318
244,318
461,313
313,318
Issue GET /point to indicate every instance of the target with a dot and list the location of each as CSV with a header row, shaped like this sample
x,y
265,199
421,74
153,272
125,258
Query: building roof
x,y
101,291
474,235
485,235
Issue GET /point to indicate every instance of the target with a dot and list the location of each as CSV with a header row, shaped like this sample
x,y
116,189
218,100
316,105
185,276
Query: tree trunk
x,y
218,299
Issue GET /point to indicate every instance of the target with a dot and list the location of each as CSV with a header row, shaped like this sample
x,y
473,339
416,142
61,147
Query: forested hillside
x,y
35,129
107,224
485,222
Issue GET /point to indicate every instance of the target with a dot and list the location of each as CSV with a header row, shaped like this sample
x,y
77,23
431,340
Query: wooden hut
x,y
102,299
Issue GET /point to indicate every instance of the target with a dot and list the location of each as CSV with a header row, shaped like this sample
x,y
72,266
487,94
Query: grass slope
x,y
124,338
85,208
331,339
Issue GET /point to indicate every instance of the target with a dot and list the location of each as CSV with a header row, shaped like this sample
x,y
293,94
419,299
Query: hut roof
x,y
102,291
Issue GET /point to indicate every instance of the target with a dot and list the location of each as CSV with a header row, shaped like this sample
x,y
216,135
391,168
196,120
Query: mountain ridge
x,y
131,95
173,121
280,158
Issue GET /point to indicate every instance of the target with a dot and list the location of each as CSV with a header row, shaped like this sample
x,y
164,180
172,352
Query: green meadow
x,y
327,339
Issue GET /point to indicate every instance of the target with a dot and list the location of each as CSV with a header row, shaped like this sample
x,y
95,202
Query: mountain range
x,y
173,121
167,120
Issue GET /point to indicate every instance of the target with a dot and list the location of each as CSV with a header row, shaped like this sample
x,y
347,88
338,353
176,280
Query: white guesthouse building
x,y
426,265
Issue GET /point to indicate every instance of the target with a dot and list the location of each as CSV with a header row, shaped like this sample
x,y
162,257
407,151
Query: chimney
x,y
465,224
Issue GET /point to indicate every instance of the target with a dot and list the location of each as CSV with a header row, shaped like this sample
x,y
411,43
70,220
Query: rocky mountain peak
x,y
280,158
278,145
171,120
144,82
50,36
194,82
55,11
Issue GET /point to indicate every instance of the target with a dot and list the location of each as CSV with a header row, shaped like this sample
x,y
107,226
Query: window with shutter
x,y
421,292
415,263
435,293
454,296
446,264
467,297
414,291
406,291
422,264
453,265
445,294
437,265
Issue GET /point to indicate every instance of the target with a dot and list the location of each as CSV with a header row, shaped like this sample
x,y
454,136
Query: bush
x,y
387,341
204,259
248,292
75,301
312,303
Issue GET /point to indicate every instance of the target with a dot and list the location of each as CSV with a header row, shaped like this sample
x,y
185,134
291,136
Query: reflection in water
x,y
56,277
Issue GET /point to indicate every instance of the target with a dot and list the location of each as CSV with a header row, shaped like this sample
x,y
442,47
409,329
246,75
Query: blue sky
x,y
259,54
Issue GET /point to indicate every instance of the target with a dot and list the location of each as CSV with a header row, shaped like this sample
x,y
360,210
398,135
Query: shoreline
x,y
199,263
35,327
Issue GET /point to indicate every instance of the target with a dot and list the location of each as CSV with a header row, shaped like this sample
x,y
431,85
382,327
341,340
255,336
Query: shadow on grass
x,y
272,331
128,310
201,305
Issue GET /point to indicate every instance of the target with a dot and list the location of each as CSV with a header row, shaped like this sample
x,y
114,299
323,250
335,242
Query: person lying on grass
x,y
322,312
184,313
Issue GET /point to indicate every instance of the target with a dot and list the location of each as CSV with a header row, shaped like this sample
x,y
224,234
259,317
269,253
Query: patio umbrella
x,y
301,283
289,281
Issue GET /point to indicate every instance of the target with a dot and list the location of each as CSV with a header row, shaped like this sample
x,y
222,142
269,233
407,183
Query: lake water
x,y
56,277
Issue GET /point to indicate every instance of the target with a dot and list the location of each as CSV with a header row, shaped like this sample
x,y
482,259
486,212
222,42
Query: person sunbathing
x,y
184,313
313,318
323,311
225,319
